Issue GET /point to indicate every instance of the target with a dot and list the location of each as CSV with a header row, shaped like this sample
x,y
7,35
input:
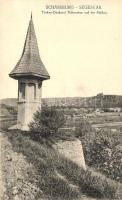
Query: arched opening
x,y
31,91
22,91
40,90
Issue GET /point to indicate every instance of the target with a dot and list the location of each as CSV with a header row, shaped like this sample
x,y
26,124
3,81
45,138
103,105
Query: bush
x,y
102,149
46,122
109,154
104,153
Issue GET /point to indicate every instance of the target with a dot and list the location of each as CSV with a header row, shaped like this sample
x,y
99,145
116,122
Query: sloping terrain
x,y
33,170
23,180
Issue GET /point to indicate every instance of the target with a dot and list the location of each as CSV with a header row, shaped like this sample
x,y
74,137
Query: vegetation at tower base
x,y
46,123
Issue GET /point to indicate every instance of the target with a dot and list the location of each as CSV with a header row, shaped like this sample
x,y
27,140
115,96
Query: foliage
x,y
46,122
106,154
103,151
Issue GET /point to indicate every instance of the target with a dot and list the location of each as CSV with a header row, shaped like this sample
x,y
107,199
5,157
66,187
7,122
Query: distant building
x,y
30,72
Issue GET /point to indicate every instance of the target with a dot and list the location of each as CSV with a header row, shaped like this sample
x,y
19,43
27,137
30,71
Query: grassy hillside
x,y
59,178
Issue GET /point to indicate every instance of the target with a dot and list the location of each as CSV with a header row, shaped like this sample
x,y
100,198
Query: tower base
x,y
19,127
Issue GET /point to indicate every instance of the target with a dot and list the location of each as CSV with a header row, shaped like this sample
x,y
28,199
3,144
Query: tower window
x,y
40,85
32,91
22,91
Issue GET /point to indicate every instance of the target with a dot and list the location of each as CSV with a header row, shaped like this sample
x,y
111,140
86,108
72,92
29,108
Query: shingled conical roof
x,y
30,64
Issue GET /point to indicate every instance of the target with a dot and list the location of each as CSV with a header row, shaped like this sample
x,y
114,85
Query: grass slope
x,y
60,178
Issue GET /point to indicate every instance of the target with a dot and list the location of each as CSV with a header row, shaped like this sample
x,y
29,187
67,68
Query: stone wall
x,y
72,150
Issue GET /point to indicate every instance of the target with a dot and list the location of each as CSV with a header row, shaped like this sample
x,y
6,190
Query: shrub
x,y
102,149
104,153
46,122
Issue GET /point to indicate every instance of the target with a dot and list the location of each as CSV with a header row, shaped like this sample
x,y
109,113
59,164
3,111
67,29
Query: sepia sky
x,y
82,53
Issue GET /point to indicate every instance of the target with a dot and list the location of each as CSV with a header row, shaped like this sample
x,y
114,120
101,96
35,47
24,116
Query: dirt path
x,y
14,184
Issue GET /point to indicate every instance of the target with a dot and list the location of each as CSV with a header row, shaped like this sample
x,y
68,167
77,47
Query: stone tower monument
x,y
30,72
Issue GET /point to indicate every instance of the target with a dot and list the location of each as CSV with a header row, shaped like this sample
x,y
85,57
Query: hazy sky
x,y
82,53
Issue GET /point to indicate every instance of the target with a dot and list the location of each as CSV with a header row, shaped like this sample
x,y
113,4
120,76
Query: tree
x,y
46,122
